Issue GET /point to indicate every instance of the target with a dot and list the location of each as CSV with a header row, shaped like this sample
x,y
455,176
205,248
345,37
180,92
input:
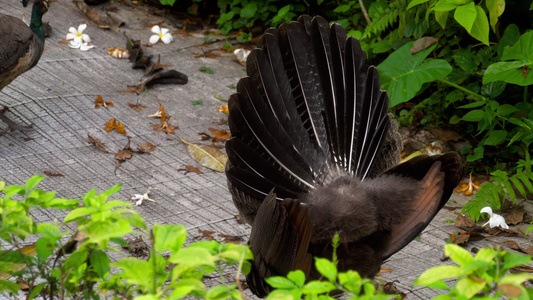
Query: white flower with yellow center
x,y
77,35
495,219
160,33
81,45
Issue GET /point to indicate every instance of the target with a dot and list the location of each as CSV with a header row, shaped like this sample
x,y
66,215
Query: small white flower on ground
x,y
495,219
160,33
81,45
241,54
77,35
141,198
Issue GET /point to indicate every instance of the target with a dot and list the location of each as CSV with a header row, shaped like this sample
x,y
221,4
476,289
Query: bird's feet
x,y
11,125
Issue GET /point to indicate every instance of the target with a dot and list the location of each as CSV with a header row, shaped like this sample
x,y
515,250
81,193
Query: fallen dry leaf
x,y
207,54
464,222
137,107
423,43
113,124
191,169
97,143
137,247
222,121
223,109
165,126
231,239
102,20
125,153
48,173
207,234
460,238
99,101
219,135
509,290
390,288
204,136
207,156
146,148
516,216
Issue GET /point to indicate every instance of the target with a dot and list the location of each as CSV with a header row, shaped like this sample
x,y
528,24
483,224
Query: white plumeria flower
x,y
141,198
81,45
77,35
495,219
241,54
160,33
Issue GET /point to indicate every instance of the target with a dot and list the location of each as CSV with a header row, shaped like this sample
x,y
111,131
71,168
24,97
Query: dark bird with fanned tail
x,y
20,49
313,151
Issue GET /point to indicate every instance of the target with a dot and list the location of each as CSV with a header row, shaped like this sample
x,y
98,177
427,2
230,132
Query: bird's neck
x,y
36,23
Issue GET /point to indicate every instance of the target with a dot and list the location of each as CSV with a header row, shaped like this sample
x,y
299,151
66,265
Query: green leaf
x,y
496,9
415,2
514,259
185,286
465,15
197,102
515,279
518,69
6,285
447,5
510,36
458,254
403,74
470,286
506,110
100,262
50,231
249,10
496,137
193,257
437,273
33,181
474,115
318,287
36,290
441,17
485,254
218,292
279,282
493,89
326,268
473,104
135,271
169,237
297,276
480,28
206,70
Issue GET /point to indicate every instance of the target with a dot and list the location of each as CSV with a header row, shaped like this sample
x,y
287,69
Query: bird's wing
x,y
16,38
438,176
279,240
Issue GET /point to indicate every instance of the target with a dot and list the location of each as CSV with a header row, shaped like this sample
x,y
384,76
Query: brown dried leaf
x,y
204,136
231,239
222,121
146,148
165,127
137,247
223,109
97,143
516,216
219,135
207,234
99,101
512,244
444,134
464,221
510,290
191,169
523,268
113,124
423,43
125,153
460,238
390,288
136,107
207,156
48,173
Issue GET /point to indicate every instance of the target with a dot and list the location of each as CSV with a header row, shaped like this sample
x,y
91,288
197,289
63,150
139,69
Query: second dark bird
x,y
313,152
20,50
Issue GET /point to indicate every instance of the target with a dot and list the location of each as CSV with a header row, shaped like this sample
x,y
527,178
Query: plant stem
x,y
463,89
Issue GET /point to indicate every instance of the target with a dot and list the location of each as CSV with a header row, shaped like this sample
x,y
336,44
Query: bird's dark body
x,y
313,152
21,46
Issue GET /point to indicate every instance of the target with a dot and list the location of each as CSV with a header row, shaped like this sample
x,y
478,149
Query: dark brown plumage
x,y
313,152
21,48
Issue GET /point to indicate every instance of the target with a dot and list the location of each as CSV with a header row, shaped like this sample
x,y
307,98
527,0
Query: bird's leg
x,y
12,125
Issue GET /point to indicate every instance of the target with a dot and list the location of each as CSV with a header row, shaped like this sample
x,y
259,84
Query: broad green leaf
x,y
496,9
193,257
49,231
516,279
510,36
485,254
298,277
447,5
33,181
415,2
480,28
326,268
318,287
249,10
466,15
470,286
100,262
518,69
473,104
403,74
493,89
218,292
474,115
515,259
185,287
36,290
458,254
437,273
6,285
169,237
135,271
506,110
279,282
496,137
442,18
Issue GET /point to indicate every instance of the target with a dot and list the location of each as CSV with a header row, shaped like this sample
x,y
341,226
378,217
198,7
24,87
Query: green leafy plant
x,y
483,276
81,268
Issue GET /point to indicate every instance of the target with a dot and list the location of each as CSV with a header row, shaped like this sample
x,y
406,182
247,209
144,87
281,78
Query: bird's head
x,y
43,4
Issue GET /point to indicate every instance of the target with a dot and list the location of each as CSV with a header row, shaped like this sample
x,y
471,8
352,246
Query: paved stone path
x,y
57,97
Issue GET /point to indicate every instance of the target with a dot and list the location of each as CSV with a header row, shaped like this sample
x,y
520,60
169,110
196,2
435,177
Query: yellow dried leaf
x,y
207,156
